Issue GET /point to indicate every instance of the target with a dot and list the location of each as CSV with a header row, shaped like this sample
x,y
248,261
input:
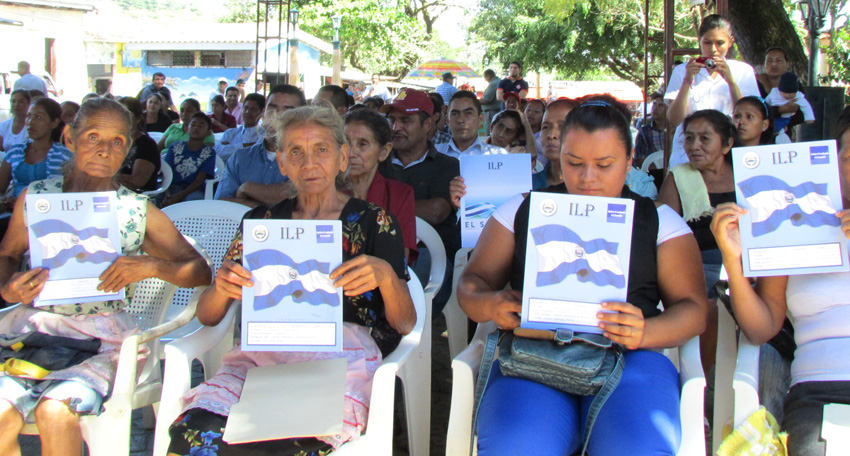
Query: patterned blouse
x,y
132,212
366,229
24,173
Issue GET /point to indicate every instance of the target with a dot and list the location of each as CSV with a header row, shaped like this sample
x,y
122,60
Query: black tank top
x,y
643,271
702,226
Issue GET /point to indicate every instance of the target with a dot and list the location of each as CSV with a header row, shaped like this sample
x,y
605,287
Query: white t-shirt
x,y
707,93
381,91
775,98
819,307
9,138
30,81
670,224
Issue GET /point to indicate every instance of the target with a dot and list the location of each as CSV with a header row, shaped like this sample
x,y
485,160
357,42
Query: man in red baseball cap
x,y
415,161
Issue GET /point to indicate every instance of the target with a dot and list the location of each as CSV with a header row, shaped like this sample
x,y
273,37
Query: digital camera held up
x,y
708,62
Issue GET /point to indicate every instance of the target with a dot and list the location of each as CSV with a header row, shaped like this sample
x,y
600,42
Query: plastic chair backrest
x,y
209,186
212,224
166,175
656,158
428,236
156,135
417,295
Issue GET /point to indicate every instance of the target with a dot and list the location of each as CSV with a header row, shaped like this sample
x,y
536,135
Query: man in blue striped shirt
x,y
446,89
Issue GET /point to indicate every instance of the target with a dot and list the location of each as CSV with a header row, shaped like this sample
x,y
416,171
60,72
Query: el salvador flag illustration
x,y
277,276
772,201
60,242
561,252
480,210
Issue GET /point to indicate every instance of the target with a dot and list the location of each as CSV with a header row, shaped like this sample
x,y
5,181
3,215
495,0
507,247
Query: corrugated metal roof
x,y
218,33
51,4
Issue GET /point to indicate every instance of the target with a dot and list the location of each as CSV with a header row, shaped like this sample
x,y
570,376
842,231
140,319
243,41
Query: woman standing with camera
x,y
708,82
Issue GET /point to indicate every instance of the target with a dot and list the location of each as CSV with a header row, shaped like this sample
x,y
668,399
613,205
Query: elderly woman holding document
x,y
522,416
377,308
100,137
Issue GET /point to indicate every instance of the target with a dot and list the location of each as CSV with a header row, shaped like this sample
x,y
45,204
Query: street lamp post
x,y
337,77
818,10
294,76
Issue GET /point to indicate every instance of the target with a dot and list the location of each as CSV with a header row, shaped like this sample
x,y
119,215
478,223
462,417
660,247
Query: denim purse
x,y
575,363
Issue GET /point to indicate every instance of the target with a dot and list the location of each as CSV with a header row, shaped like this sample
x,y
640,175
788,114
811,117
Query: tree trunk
x,y
762,24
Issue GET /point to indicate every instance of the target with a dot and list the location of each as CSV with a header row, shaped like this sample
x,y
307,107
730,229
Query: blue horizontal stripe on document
x,y
815,219
268,257
583,273
549,233
758,184
64,255
51,226
292,289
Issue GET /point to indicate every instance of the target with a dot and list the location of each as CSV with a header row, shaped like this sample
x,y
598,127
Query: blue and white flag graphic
x,y
60,242
561,252
277,276
480,210
772,201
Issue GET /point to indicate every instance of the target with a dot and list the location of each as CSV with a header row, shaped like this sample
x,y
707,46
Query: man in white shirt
x,y
29,81
222,85
377,89
465,118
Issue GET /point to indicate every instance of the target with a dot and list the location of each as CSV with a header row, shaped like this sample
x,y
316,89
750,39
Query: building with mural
x,y
195,56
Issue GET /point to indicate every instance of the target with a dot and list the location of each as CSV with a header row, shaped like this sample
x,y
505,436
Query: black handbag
x,y
46,352
783,341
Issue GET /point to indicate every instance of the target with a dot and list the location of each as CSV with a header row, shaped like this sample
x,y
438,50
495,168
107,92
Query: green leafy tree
x,y
837,55
576,39
240,11
384,36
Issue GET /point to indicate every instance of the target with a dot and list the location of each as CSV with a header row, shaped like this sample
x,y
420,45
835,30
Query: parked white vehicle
x,y
7,83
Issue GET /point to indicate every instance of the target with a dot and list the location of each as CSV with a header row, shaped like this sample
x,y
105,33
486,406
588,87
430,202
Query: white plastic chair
x,y
378,438
656,158
109,433
156,136
212,224
209,190
426,234
166,176
456,321
465,372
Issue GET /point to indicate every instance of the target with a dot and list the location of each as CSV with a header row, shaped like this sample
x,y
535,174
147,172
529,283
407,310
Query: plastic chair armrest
x,y
6,310
692,405
199,342
690,367
125,374
181,319
464,371
746,379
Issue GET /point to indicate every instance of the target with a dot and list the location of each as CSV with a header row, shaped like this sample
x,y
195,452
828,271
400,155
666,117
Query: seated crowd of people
x,y
382,165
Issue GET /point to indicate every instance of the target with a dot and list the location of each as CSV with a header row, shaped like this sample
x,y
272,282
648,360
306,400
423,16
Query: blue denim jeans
x,y
521,417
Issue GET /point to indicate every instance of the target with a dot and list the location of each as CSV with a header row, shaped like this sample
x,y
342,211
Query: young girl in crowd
x,y
710,82
752,119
